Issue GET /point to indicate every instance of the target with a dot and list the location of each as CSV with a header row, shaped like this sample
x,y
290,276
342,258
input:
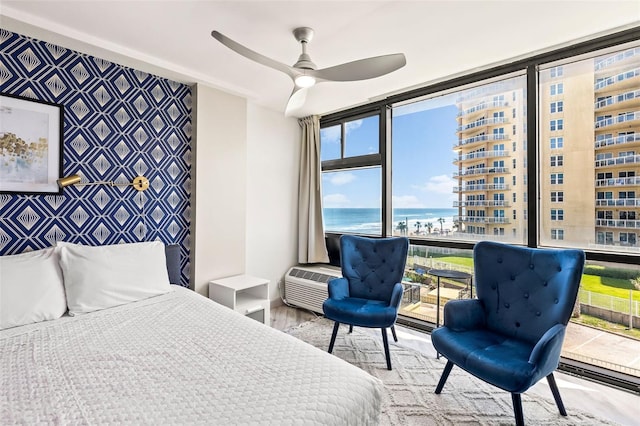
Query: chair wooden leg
x,y
393,331
556,394
444,376
386,348
350,328
333,336
517,409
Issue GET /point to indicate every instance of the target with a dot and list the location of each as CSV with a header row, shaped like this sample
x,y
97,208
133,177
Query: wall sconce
x,y
140,182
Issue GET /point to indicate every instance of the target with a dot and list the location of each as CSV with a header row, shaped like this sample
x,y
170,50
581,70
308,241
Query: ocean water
x,y
369,221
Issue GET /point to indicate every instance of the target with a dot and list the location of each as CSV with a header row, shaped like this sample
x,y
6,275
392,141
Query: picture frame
x,y
30,145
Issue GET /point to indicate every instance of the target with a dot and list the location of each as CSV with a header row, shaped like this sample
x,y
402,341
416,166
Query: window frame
x,y
530,65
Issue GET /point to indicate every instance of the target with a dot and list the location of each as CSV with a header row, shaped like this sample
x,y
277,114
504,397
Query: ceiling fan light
x,y
305,81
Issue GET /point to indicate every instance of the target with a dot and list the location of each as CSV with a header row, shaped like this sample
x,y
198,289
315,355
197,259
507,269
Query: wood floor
x,y
578,394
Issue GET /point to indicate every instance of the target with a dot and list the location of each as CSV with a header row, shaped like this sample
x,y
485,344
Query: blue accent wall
x,y
118,123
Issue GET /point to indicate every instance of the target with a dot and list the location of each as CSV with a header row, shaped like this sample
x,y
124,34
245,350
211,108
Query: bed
x,y
171,358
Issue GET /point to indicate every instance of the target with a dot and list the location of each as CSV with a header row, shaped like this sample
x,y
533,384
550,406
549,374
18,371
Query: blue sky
x,y
423,139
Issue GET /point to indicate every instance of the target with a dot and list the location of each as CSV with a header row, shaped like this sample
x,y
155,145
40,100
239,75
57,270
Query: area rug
x,y
409,397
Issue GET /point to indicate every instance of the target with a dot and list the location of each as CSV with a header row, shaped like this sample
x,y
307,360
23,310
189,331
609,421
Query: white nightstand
x,y
243,293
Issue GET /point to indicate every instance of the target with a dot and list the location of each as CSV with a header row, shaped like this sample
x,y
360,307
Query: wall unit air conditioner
x,y
306,286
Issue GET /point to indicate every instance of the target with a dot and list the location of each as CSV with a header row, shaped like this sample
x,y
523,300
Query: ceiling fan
x,y
304,72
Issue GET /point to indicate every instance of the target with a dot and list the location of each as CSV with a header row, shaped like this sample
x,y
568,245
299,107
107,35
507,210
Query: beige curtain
x,y
311,244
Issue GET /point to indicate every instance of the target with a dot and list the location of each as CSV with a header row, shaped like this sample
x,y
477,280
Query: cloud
x,y
442,184
333,134
342,178
352,125
330,134
406,202
335,200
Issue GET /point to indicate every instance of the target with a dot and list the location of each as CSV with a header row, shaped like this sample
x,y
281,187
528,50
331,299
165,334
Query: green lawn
x,y
463,261
616,287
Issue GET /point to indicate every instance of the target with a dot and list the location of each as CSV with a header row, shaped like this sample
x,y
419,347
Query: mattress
x,y
175,359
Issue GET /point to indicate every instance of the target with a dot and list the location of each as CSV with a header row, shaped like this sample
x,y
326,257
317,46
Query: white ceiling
x,y
439,38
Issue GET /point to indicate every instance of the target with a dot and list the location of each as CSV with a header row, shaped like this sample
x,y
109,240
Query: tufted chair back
x,y
372,265
526,291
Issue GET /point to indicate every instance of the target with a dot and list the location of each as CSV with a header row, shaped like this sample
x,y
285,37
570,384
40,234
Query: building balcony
x,y
623,80
618,223
482,187
617,182
617,59
619,140
622,100
480,219
481,171
485,154
618,161
484,106
619,122
481,139
485,122
618,202
482,203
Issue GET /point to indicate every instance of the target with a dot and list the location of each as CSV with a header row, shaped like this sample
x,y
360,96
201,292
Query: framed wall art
x,y
30,145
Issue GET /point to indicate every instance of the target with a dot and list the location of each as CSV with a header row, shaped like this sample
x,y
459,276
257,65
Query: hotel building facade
x,y
589,138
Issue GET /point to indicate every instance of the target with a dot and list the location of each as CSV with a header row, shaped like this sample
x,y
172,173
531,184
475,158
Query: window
x,y
557,89
444,201
557,178
557,160
556,125
557,214
556,72
556,143
425,187
556,107
352,176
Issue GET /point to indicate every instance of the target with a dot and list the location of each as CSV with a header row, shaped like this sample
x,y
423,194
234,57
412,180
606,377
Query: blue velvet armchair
x,y
511,335
370,290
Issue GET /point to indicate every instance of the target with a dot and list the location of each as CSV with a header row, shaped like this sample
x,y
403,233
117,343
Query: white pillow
x,y
105,276
31,288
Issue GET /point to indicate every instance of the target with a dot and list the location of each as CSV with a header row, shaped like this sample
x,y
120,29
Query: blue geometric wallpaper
x,y
118,123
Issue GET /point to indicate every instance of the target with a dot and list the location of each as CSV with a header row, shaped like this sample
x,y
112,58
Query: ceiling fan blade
x,y
296,100
362,69
254,56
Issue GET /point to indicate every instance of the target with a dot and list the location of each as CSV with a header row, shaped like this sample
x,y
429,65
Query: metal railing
x,y
617,78
616,161
612,303
634,180
610,121
623,139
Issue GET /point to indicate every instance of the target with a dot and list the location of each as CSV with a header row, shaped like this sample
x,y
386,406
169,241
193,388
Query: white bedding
x,y
177,358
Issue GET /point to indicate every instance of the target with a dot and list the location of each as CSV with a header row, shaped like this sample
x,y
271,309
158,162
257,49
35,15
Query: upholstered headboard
x,y
172,253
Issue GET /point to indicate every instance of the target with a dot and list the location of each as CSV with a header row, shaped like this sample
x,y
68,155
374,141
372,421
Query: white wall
x,y
244,190
219,180
273,151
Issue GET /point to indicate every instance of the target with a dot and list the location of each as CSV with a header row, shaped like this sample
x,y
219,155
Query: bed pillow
x,y
31,288
105,276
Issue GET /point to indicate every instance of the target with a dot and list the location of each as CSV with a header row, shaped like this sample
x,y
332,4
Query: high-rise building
x,y
589,154
491,147
616,86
